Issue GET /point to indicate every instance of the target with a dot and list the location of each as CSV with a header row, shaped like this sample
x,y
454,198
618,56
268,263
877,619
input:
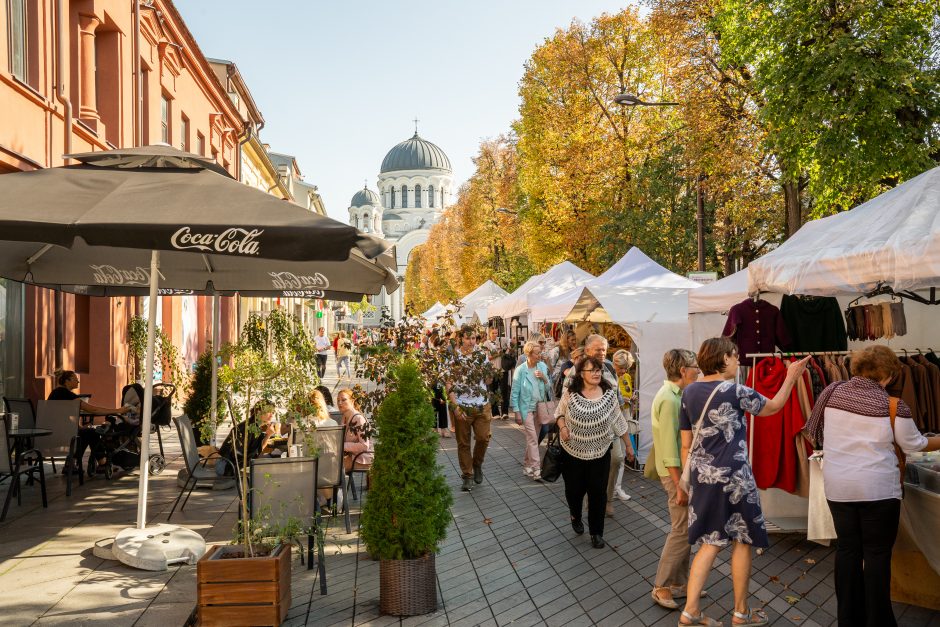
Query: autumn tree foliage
x,y
782,110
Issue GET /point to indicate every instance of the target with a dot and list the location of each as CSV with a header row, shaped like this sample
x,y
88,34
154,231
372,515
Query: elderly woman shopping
x,y
724,505
530,384
859,425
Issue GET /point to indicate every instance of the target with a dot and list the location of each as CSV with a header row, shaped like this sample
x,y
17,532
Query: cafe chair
x,y
197,469
14,469
363,469
282,491
23,407
62,418
331,474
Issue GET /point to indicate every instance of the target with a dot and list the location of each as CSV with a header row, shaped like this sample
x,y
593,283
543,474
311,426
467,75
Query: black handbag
x,y
552,460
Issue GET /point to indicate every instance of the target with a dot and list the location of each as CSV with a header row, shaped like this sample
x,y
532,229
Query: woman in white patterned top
x,y
589,420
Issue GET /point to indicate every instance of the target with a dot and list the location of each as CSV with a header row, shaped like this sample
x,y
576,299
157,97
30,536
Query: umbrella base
x,y
158,546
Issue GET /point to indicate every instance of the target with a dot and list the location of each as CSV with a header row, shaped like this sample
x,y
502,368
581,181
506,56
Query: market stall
x,y
558,279
475,303
881,262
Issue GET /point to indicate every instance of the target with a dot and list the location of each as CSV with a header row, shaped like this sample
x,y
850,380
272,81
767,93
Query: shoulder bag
x,y
687,467
552,459
545,410
902,458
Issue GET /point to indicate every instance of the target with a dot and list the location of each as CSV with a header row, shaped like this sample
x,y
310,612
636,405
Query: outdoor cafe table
x,y
22,436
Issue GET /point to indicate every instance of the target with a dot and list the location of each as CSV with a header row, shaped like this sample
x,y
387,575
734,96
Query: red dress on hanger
x,y
773,452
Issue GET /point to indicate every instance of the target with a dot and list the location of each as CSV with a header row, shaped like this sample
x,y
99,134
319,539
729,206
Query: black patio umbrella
x,y
152,216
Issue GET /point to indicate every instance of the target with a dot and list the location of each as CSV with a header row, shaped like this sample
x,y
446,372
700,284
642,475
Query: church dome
x,y
415,154
363,197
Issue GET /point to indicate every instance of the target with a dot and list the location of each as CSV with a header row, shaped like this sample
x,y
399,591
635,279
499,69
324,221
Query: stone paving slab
x,y
510,558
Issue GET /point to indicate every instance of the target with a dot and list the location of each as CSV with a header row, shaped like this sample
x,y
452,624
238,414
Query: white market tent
x,y
634,269
475,303
893,240
656,318
435,310
709,305
559,279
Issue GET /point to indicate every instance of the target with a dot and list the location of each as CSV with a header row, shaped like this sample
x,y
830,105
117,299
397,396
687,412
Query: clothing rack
x,y
782,354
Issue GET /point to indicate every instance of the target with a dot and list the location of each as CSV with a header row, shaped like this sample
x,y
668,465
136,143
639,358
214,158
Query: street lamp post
x,y
629,100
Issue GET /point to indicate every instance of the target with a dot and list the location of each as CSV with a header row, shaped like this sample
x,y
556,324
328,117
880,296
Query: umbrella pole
x,y
148,392
216,323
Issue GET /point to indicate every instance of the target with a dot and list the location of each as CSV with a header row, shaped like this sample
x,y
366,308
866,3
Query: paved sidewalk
x,y
510,557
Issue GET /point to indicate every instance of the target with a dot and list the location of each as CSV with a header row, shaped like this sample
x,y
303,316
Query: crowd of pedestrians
x,y
699,454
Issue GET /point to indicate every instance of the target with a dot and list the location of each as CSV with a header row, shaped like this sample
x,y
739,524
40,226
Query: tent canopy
x,y
476,302
893,239
656,319
559,279
719,296
634,270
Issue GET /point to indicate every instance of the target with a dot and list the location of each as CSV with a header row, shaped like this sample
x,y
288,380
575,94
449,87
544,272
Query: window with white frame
x,y
404,197
431,196
164,119
16,9
417,196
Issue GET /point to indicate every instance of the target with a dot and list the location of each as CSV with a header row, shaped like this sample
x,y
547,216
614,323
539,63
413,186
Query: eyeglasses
x,y
591,370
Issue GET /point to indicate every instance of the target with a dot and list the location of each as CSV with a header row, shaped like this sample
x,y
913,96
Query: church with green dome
x,y
415,183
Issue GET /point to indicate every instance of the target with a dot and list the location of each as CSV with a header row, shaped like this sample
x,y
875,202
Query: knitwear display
x,y
592,424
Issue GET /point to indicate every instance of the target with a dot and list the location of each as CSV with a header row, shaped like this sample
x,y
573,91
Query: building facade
x,y
84,75
415,184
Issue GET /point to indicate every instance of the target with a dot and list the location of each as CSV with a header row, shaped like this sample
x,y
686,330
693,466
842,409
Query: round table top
x,y
28,433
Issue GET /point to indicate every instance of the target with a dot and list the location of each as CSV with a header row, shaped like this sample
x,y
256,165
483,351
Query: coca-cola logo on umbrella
x,y
298,282
112,275
303,294
232,241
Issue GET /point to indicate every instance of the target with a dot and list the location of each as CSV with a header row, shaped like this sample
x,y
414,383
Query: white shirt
x,y
860,463
323,345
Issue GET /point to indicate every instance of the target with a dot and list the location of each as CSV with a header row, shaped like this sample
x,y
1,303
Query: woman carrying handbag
x,y
724,505
589,420
530,385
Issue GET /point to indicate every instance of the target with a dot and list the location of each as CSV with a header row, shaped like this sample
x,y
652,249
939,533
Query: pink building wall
x,y
98,81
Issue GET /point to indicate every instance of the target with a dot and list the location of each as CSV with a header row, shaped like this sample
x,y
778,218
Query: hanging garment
x,y
814,323
902,386
931,391
921,385
774,456
888,321
877,328
898,318
756,327
850,330
817,376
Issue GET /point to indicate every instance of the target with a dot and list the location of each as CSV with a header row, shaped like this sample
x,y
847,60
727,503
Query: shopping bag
x,y
552,459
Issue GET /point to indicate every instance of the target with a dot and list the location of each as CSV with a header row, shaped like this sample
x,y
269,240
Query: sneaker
x,y
478,474
619,494
527,472
467,484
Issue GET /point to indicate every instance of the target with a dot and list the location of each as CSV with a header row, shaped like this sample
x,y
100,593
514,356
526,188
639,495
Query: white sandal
x,y
754,618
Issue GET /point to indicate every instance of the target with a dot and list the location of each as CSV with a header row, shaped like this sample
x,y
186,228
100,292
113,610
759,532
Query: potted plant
x,y
198,405
407,512
248,582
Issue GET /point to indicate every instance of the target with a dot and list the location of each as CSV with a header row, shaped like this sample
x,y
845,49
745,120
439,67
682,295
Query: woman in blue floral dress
x,y
724,505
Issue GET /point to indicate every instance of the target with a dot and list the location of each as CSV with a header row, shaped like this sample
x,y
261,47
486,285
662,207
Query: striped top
x,y
592,423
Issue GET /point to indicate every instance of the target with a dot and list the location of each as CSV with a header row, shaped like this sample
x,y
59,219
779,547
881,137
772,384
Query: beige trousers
x,y
674,562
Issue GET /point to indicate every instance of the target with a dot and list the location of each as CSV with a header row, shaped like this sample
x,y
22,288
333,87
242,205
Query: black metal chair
x,y
331,475
14,469
62,418
284,488
363,469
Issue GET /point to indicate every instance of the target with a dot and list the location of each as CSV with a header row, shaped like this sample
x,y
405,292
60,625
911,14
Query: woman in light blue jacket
x,y
530,384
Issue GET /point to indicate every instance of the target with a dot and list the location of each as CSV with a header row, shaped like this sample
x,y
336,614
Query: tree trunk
x,y
791,200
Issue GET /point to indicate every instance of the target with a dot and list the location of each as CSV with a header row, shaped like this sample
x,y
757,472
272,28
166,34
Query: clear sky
x,y
339,83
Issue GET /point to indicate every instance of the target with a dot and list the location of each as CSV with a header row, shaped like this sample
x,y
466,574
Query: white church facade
x,y
415,183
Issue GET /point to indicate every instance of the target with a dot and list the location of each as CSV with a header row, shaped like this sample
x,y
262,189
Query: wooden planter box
x,y
243,591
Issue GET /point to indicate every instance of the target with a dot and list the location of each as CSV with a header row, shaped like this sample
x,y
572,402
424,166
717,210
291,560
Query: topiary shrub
x,y
407,510
198,405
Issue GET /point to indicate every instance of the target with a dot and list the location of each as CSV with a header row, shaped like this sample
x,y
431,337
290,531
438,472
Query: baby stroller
x,y
121,435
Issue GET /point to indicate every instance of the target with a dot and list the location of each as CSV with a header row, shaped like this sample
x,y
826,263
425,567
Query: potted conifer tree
x,y
407,512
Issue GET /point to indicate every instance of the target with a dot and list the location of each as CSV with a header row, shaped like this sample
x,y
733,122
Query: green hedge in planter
x,y
408,506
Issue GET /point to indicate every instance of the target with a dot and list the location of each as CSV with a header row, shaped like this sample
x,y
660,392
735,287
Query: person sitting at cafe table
x,y
88,437
233,449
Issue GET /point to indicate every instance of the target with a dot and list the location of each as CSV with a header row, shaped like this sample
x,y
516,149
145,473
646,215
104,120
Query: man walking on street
x,y
323,345
497,348
471,408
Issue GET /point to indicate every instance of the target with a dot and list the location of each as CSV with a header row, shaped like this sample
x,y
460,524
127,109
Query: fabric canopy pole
x,y
148,392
